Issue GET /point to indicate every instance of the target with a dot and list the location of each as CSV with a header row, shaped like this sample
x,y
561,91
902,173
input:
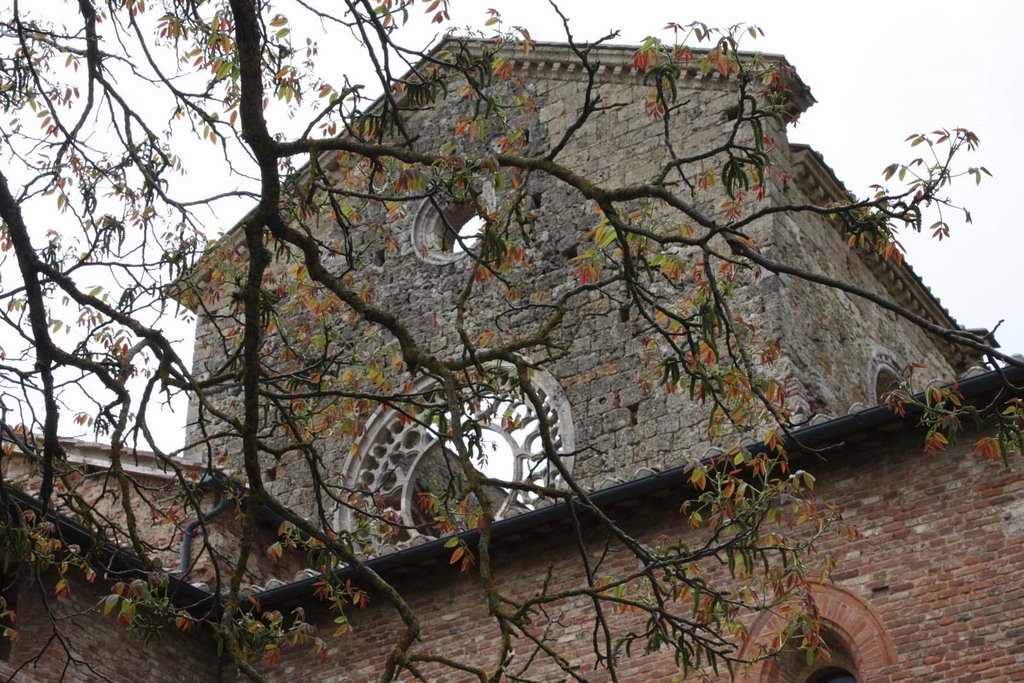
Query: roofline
x,y
828,433
831,433
900,278
116,560
617,58
613,59
133,461
136,461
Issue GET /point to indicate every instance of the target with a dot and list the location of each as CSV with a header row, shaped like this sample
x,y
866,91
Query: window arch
x,y
406,472
444,229
881,377
886,382
835,665
859,646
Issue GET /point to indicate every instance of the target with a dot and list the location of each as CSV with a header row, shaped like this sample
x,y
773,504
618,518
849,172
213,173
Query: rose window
x,y
406,471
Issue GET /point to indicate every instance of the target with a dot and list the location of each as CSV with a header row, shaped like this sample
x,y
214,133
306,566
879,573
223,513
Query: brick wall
x,y
71,640
161,512
930,590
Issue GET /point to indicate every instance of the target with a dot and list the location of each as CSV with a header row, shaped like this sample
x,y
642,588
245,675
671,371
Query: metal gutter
x,y
116,560
815,436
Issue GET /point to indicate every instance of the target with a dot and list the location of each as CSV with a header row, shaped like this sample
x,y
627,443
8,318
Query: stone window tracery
x,y
403,458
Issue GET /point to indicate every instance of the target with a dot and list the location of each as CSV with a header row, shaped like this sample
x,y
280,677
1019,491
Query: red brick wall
x,y
931,590
163,533
940,560
104,650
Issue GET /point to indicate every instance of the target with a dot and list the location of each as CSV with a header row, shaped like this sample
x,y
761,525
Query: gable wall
x,y
623,421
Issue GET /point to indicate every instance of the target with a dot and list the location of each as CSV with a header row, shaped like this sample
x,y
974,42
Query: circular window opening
x,y
460,228
445,233
497,458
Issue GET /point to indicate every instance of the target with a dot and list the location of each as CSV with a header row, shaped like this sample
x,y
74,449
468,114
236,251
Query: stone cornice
x,y
820,185
615,63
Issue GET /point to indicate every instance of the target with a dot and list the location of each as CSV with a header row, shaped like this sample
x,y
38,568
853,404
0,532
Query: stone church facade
x,y
931,587
835,347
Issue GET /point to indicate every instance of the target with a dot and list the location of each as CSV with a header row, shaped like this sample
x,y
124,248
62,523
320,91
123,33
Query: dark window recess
x,y
886,383
834,676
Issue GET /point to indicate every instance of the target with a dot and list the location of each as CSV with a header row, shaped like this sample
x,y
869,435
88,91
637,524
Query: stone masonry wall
x,y
836,342
620,425
830,340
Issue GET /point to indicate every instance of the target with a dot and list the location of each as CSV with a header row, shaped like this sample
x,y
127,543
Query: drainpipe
x,y
186,542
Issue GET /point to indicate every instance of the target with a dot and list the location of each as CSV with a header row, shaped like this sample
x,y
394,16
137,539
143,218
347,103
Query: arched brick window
x,y
859,646
792,667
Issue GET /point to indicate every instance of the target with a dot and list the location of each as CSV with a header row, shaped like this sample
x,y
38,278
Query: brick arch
x,y
847,623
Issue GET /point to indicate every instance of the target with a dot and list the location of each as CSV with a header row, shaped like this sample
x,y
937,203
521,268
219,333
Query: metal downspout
x,y
186,542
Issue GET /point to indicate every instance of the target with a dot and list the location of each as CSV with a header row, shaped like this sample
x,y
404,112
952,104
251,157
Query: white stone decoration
x,y
402,456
